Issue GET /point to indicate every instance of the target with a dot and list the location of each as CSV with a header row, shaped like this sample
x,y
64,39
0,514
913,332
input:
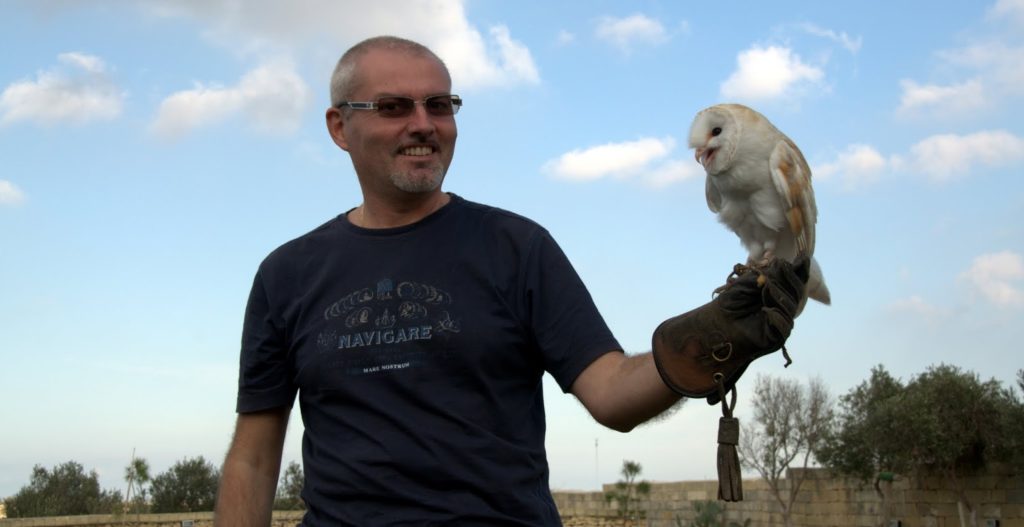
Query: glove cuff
x,y
691,353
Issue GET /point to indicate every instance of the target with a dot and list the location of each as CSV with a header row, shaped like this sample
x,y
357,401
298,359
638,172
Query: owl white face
x,y
714,135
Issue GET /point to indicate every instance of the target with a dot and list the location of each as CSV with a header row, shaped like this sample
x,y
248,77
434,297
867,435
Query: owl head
x,y
714,136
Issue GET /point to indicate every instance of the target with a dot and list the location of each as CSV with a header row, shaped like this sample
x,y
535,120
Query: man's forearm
x,y
249,477
642,393
246,494
622,391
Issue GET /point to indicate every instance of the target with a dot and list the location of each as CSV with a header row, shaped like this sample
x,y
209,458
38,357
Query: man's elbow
x,y
618,421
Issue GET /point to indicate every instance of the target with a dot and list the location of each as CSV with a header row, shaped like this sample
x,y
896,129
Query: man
x,y
415,329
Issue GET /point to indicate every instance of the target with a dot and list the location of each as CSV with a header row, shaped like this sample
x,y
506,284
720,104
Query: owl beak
x,y
704,155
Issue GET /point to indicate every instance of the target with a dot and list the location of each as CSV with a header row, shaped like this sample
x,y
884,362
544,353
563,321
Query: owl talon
x,y
739,270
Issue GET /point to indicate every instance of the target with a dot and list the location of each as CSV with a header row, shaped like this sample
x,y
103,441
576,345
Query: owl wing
x,y
792,179
713,195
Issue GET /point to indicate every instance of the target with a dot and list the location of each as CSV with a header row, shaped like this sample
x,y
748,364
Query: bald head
x,y
345,79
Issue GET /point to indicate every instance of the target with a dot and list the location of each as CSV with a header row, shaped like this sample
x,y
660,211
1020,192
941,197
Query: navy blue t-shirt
x,y
417,354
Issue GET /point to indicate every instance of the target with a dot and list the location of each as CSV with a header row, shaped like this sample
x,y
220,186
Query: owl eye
x,y
716,130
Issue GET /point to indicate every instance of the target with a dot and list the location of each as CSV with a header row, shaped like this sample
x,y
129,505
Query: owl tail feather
x,y
816,287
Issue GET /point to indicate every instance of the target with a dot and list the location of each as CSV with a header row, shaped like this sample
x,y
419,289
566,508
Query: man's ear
x,y
336,127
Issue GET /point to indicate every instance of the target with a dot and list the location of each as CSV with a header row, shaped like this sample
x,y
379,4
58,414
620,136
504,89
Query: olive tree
x,y
861,443
190,485
944,422
64,490
789,422
954,425
289,490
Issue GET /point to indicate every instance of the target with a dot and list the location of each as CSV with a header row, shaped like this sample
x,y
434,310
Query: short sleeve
x,y
568,328
265,377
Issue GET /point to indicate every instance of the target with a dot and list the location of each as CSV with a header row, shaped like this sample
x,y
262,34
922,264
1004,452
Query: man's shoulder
x,y
496,216
305,244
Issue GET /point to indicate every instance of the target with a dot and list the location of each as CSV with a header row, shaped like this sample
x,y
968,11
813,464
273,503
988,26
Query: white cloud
x,y
621,160
1008,9
944,157
286,27
475,62
10,194
768,73
938,158
850,43
920,308
672,171
990,61
954,98
624,32
998,278
90,63
645,160
78,91
516,61
272,97
611,159
995,62
565,37
856,166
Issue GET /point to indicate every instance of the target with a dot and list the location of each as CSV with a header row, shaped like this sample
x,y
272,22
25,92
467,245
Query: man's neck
x,y
386,214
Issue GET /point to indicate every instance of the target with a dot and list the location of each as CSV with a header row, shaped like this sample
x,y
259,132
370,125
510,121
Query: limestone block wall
x,y
823,501
189,519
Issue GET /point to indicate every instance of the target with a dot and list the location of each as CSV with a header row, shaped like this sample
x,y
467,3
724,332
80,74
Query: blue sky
x,y
152,153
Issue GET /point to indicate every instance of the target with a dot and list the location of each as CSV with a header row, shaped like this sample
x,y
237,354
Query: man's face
x,y
410,153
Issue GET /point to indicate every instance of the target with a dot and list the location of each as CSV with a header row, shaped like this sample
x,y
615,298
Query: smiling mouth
x,y
417,151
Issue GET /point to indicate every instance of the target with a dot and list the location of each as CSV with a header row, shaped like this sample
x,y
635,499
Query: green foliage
x,y
289,491
709,514
1012,448
188,486
706,514
63,491
861,444
945,396
136,474
628,491
944,421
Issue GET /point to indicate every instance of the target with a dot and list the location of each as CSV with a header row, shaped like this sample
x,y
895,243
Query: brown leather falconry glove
x,y
702,353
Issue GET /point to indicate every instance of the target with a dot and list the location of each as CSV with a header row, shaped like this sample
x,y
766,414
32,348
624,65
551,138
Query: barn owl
x,y
760,186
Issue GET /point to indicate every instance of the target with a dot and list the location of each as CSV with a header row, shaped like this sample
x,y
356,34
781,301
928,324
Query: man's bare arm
x,y
622,392
248,479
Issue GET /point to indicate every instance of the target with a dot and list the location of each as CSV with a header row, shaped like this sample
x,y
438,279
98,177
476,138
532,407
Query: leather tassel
x,y
730,482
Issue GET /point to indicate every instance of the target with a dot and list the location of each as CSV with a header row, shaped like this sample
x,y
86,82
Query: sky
x,y
153,153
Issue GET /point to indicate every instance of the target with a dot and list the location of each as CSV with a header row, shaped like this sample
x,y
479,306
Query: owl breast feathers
x,y
759,185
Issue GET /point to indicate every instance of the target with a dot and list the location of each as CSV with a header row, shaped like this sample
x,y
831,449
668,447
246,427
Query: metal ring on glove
x,y
726,406
714,351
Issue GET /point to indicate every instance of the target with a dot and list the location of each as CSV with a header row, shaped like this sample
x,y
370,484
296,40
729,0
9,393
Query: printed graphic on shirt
x,y
369,330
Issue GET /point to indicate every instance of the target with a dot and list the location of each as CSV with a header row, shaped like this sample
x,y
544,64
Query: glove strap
x,y
730,481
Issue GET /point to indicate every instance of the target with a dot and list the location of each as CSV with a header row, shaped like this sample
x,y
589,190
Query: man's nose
x,y
420,121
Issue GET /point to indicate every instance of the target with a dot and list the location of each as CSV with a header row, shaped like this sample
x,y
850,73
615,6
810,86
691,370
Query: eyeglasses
x,y
393,107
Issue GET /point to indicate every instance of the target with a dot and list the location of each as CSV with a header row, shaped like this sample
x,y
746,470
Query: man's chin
x,y
418,183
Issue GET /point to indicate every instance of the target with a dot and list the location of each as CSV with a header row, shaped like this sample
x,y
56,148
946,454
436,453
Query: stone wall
x,y
184,519
823,501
